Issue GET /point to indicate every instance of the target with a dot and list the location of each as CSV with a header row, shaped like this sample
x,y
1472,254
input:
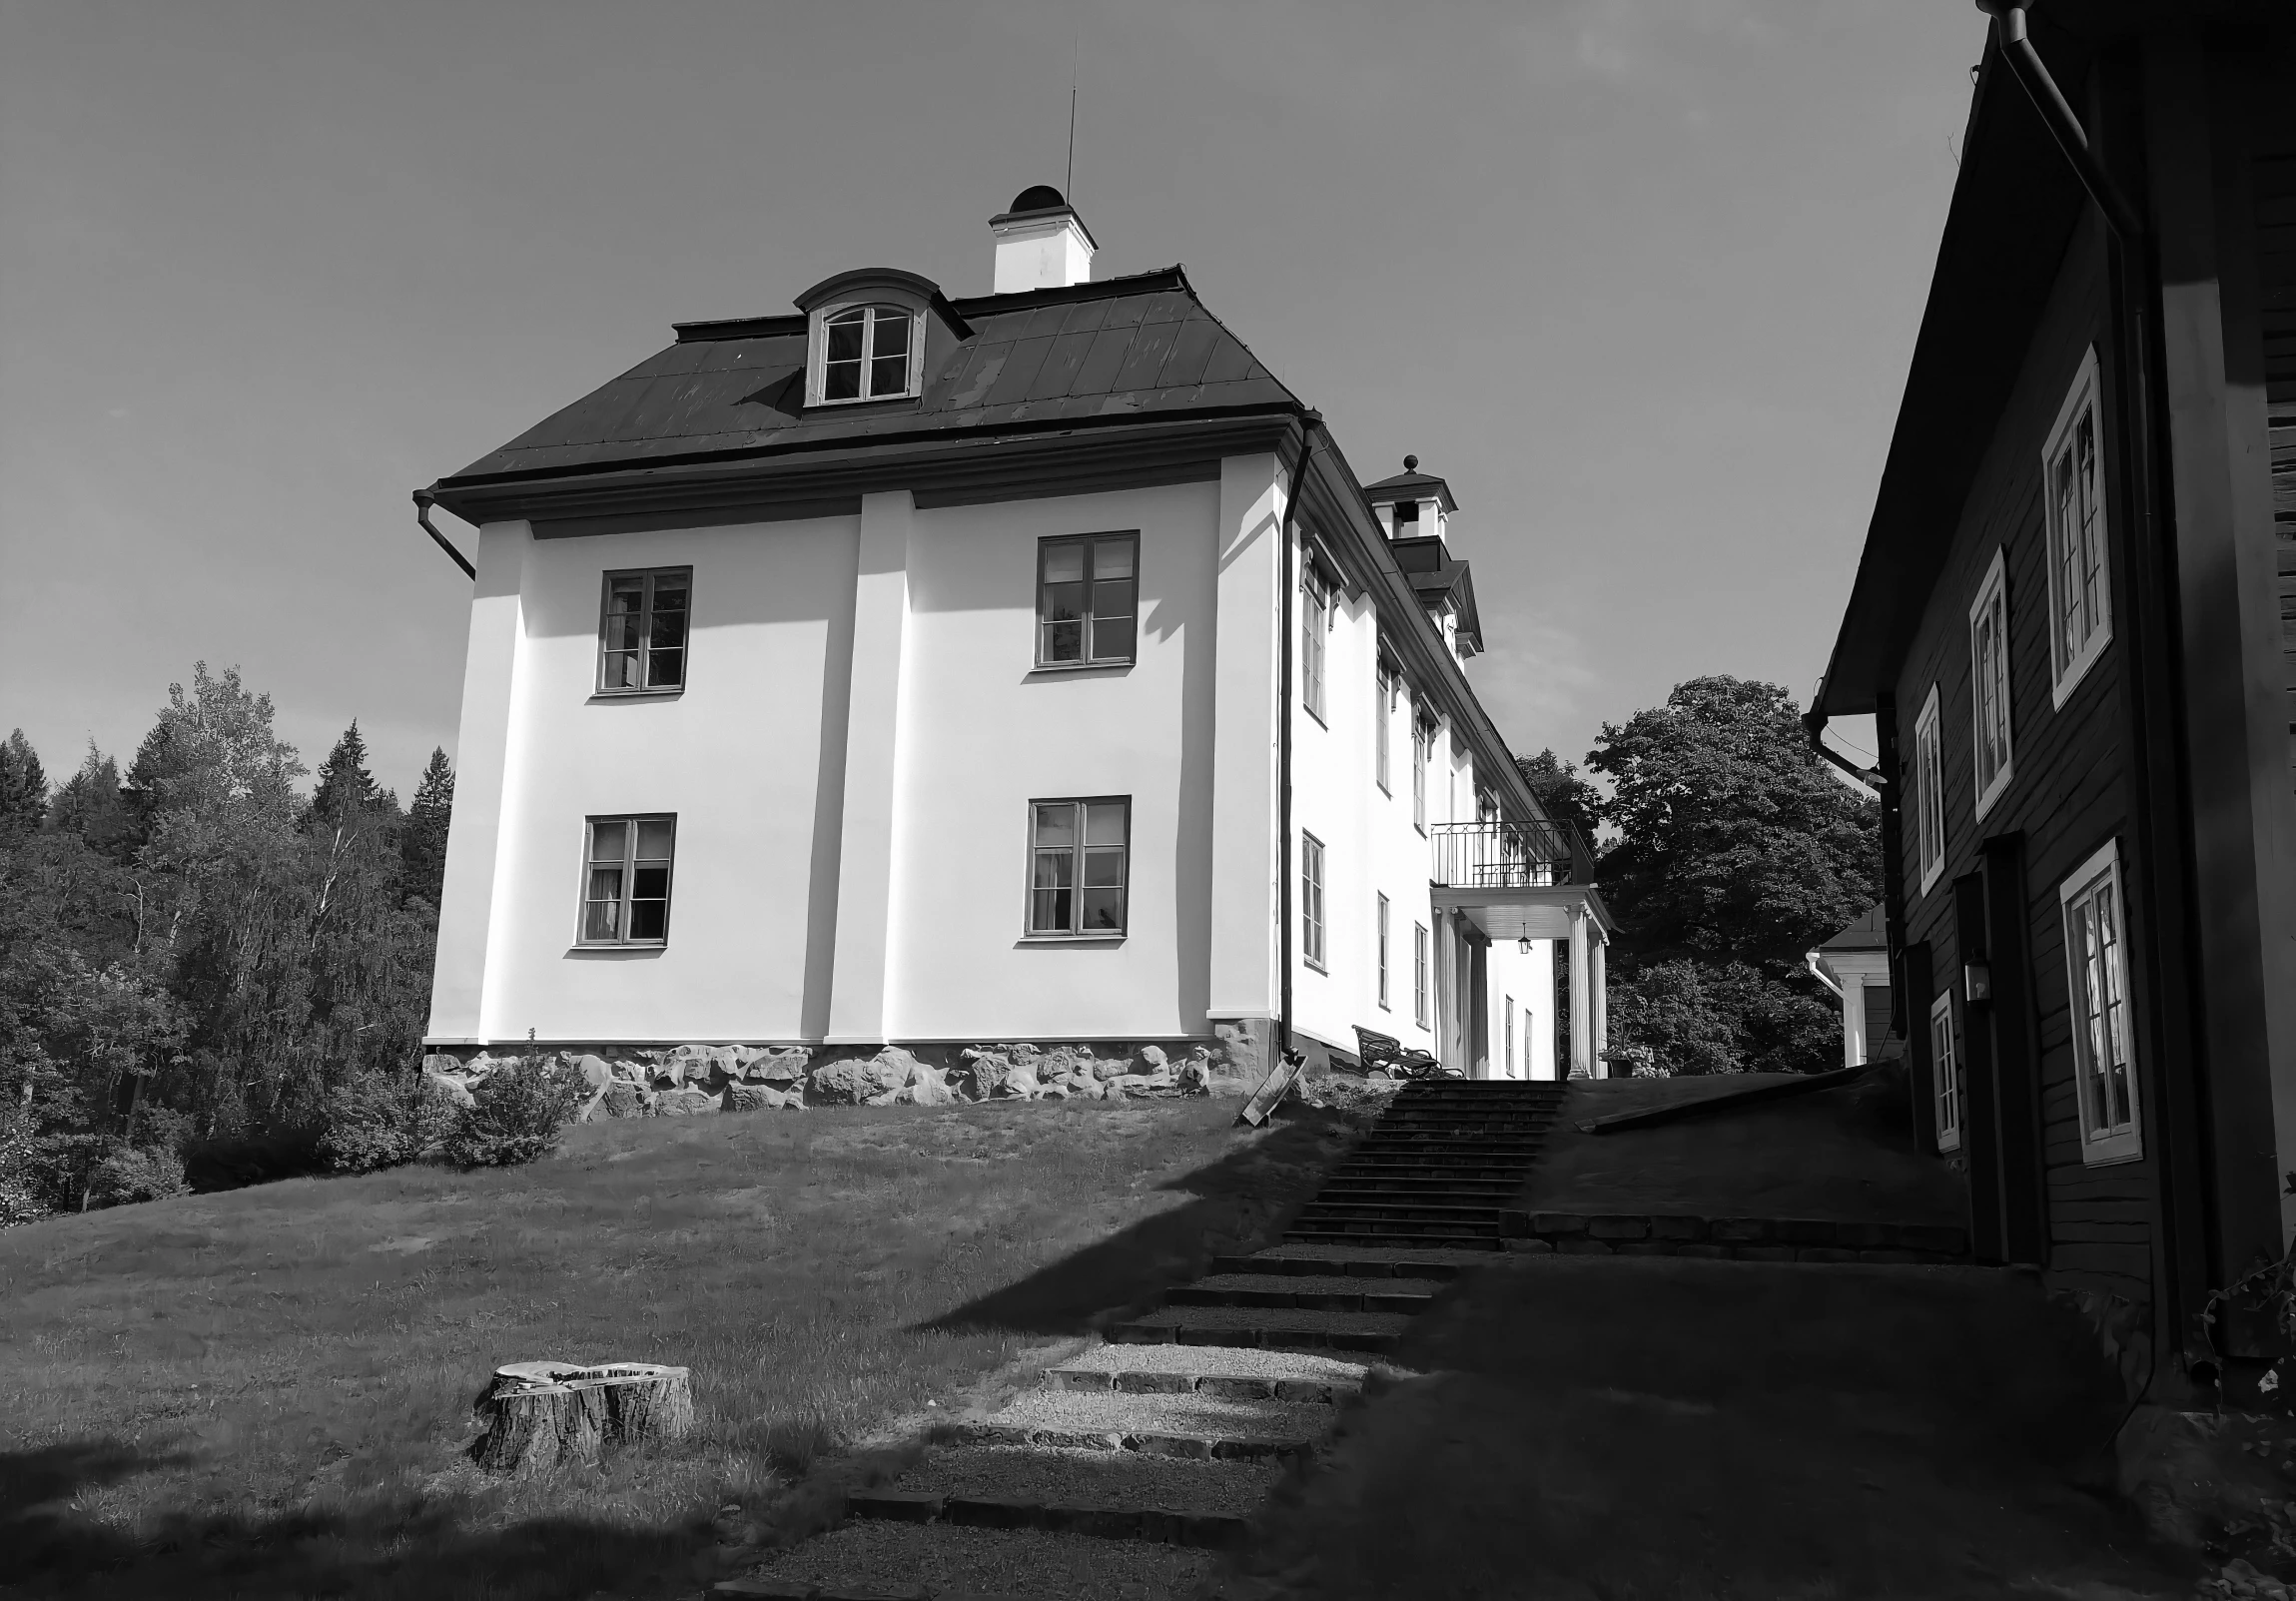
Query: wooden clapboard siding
x,y
2069,794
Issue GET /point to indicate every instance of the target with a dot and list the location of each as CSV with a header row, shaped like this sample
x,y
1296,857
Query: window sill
x,y
1318,717
2110,1153
1990,796
815,403
1057,668
1069,939
621,951
598,696
1313,966
1930,879
1382,789
2060,690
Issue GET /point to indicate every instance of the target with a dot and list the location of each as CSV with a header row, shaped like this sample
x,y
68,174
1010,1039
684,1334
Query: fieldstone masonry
x,y
693,1079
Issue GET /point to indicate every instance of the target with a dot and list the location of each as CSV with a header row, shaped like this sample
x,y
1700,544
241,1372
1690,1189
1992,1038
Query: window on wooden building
x,y
1930,791
1990,684
1382,932
1314,624
642,633
1945,1074
1088,599
1311,900
1419,974
626,879
2096,971
869,353
1078,868
2080,578
1383,719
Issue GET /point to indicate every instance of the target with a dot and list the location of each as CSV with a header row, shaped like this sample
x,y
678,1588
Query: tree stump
x,y
541,1416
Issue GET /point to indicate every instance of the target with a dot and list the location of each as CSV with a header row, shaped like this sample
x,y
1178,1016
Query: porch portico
x,y
1505,882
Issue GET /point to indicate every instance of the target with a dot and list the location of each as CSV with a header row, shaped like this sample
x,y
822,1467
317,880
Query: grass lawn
x,y
266,1392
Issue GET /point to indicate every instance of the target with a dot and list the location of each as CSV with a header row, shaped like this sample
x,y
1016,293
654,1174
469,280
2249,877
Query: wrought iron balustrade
x,y
1494,855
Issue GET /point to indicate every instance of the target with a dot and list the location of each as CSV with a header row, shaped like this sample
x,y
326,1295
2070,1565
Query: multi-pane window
x,y
1944,1074
2080,583
1509,1058
1077,865
1383,916
626,879
2097,968
1930,792
1087,598
1422,753
865,352
1990,684
642,640
1311,899
1382,720
1315,623
1419,974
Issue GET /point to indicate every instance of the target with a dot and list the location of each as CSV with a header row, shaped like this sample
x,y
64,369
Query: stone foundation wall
x,y
669,1081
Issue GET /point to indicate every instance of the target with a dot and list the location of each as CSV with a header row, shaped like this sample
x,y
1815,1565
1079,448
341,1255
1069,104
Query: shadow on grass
x,y
1238,1203
51,1545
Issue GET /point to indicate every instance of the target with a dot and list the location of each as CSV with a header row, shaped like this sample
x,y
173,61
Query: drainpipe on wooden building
x,y
2032,75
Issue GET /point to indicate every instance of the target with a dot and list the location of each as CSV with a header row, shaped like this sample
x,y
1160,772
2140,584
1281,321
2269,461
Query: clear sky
x,y
1640,276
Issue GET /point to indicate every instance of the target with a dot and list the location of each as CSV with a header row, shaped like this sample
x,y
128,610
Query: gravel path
x,y
1054,1567
1091,1479
1204,1417
1229,1362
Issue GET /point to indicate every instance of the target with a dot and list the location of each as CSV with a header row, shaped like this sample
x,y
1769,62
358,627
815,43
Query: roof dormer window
x,y
868,353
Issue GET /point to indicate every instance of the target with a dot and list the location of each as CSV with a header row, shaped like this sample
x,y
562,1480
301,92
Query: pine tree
x,y
23,785
91,805
346,790
422,846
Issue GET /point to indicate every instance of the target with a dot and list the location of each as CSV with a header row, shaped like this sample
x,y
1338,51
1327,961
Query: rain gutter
x,y
2026,66
424,502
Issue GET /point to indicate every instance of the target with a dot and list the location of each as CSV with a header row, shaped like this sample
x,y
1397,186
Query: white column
x,y
862,998
1582,1003
1598,1000
1853,1019
484,768
1243,982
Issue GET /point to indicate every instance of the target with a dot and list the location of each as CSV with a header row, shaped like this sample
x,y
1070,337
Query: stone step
x,y
1357,1261
1270,1386
1194,1427
1377,1185
1320,1292
1272,1328
1375,1230
1477,1212
1321,1237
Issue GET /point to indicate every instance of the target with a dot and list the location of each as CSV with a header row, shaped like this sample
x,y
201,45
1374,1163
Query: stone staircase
x,y
1138,1457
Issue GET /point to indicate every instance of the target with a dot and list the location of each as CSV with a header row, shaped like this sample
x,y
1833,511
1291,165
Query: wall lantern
x,y
1524,945
1977,980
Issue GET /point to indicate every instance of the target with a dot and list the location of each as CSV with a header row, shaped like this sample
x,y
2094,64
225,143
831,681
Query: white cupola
x,y
1040,243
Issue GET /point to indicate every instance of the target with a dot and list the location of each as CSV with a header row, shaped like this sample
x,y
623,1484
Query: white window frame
x,y
1079,869
1944,1074
1383,919
1990,612
1316,607
2098,882
1090,612
817,351
626,867
2071,659
1421,999
1383,733
1509,1058
1422,757
1929,790
1312,925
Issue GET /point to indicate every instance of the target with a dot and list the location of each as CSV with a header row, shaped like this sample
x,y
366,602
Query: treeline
x,y
1729,850
198,964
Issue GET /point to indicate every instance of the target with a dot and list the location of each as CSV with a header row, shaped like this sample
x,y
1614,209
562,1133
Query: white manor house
x,y
1019,667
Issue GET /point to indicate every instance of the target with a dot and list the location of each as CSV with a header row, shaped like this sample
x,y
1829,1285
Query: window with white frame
x,y
1509,1058
867,353
1930,791
1382,934
1088,599
1311,900
2072,497
2096,973
1990,684
1382,720
1078,866
1314,624
642,631
1944,1074
1419,974
626,879
1422,755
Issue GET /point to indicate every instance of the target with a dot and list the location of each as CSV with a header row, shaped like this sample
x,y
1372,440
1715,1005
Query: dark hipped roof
x,y
1142,347
1435,578
1411,484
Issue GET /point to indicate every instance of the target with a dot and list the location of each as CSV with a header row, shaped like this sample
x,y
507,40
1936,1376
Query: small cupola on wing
x,y
1040,243
1412,504
1414,510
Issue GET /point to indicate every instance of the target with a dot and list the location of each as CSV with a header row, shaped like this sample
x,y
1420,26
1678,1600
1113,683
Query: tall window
x,y
1383,719
2097,968
864,353
1990,684
1087,598
1311,899
642,637
1382,915
1419,974
1930,792
1422,753
1509,1058
1077,865
626,879
1944,1074
1315,623
2080,582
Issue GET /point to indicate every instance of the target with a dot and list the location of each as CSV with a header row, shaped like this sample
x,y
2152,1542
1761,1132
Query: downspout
x,y
1309,422
2026,67
424,502
1814,720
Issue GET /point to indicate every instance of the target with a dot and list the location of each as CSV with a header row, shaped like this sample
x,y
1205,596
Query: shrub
x,y
516,1115
1694,1017
131,1173
384,1122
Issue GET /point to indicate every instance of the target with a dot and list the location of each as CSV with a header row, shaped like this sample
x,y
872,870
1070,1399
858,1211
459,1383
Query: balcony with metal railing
x,y
1494,855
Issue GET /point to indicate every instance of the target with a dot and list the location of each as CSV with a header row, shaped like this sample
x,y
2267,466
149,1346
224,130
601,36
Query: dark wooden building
x,y
2072,624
